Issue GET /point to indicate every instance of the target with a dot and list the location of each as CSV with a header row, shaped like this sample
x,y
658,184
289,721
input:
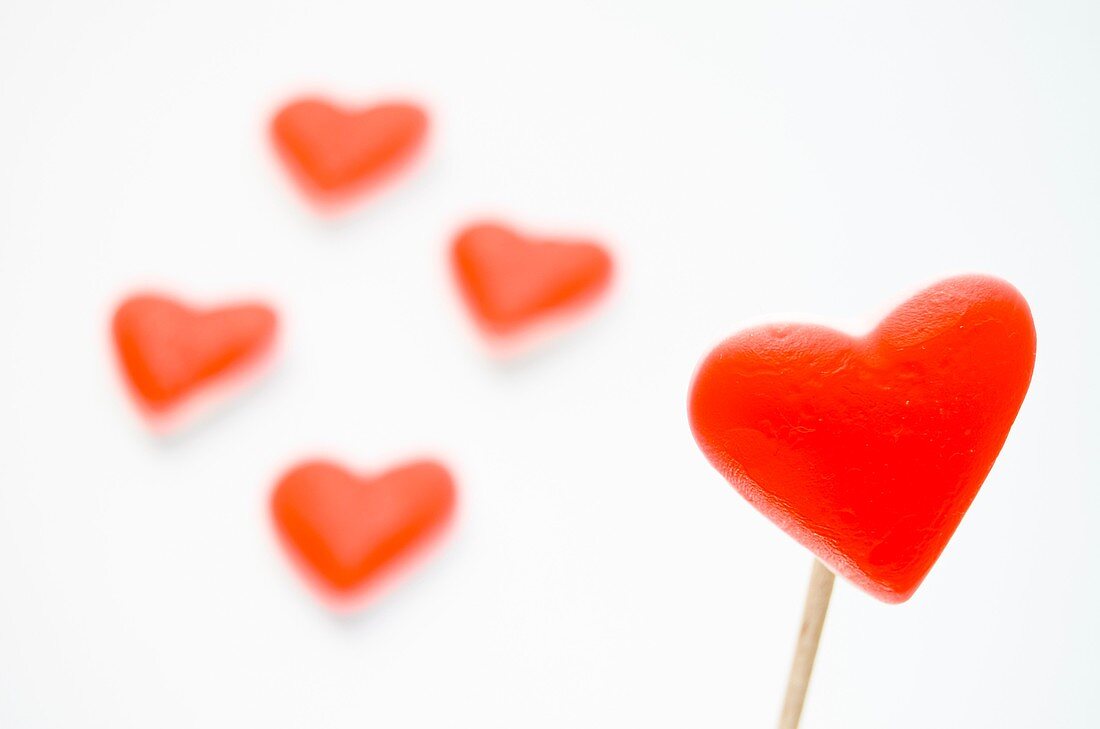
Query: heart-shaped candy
x,y
334,152
868,450
348,530
511,281
169,350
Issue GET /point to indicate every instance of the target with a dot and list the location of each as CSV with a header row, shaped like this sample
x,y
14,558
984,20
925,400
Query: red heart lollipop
x,y
868,450
169,350
349,530
334,152
511,281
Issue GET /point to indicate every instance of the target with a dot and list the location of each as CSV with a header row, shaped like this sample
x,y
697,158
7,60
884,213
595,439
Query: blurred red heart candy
x,y
334,152
169,350
511,281
347,530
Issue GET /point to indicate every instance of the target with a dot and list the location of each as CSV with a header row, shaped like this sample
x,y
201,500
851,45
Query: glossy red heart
x,y
511,281
868,450
169,350
348,530
334,152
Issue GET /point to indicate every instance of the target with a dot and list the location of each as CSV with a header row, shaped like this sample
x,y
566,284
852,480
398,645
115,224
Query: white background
x,y
745,161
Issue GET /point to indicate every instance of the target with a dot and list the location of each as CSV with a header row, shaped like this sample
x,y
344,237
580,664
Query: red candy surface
x,y
869,450
334,152
168,350
348,530
511,281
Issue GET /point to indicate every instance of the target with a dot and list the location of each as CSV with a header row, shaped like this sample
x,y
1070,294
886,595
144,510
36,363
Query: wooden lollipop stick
x,y
813,618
